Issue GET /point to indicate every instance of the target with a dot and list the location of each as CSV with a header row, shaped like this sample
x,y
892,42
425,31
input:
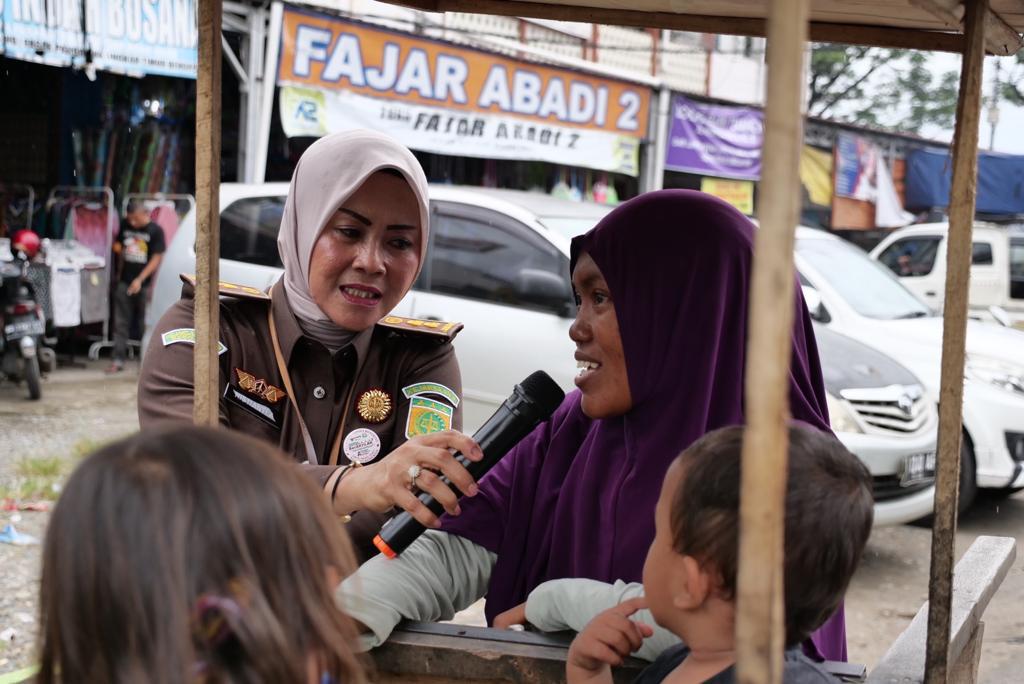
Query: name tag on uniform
x,y
256,396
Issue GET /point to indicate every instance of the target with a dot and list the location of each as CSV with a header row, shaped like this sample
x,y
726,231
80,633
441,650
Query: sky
x,y
1009,129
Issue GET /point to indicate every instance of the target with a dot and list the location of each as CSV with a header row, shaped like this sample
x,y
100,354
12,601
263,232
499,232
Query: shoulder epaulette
x,y
437,329
230,289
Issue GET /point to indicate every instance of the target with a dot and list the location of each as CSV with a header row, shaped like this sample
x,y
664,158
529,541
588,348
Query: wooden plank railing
x,y
434,653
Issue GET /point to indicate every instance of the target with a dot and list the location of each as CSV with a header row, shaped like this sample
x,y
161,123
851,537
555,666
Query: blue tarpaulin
x,y
1000,181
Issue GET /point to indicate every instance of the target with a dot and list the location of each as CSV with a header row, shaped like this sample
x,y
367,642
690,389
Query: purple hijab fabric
x,y
576,498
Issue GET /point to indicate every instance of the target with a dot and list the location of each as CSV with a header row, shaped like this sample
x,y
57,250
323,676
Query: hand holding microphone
x,y
532,401
380,486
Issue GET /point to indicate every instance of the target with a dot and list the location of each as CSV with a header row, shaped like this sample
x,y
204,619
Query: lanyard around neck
x,y
282,368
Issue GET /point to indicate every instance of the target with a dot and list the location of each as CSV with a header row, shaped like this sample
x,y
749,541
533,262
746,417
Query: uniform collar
x,y
289,332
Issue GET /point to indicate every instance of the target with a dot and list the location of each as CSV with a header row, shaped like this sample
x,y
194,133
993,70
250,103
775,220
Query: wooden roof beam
x,y
1001,40
1000,37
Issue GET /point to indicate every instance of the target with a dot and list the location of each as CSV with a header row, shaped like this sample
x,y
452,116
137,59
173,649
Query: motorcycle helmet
x,y
27,242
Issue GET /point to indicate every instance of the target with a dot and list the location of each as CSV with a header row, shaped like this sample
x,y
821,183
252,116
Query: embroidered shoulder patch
x,y
230,289
439,329
427,416
186,336
435,388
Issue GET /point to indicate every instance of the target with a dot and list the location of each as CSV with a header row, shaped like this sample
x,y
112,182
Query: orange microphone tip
x,y
383,547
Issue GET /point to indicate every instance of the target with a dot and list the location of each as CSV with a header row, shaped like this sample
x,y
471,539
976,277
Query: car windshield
x,y
570,226
865,285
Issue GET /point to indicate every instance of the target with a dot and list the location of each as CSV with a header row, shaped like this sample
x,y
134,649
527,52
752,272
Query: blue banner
x,y
1000,181
135,37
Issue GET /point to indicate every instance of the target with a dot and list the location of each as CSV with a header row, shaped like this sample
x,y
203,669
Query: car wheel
x,y
968,483
968,476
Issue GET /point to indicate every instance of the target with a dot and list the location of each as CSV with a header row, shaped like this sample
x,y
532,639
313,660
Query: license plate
x,y
29,326
918,468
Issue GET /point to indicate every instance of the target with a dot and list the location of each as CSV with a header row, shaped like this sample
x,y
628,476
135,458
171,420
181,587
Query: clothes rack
x,y
88,216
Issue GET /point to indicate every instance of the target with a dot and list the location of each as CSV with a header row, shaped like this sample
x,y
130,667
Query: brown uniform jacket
x,y
395,355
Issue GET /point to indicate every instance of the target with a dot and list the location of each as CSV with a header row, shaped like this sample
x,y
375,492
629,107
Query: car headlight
x,y
840,415
995,372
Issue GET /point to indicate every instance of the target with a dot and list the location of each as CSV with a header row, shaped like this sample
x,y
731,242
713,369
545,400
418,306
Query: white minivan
x,y
917,255
852,294
498,262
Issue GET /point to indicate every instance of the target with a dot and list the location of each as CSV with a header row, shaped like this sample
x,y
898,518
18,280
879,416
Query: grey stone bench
x,y
977,577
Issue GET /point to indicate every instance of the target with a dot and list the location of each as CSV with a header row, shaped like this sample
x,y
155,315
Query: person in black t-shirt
x,y
139,248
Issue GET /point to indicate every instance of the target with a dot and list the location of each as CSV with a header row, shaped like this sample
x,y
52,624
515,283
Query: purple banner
x,y
712,140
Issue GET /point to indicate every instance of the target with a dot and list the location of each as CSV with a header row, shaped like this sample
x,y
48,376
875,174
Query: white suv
x,y
917,256
850,293
498,262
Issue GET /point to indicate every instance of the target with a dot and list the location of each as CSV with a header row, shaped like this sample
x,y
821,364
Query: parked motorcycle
x,y
22,351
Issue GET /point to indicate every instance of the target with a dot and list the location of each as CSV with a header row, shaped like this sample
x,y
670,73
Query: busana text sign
x,y
134,37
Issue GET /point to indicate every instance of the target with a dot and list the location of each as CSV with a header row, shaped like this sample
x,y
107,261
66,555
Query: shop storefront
x,y
98,108
98,94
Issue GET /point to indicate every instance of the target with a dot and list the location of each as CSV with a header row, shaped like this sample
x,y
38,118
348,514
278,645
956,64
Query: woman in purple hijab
x,y
661,335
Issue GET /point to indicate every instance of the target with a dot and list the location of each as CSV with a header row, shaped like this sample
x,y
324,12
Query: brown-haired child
x,y
690,574
193,555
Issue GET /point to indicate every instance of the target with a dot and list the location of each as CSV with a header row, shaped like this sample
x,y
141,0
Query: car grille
x,y
887,487
890,410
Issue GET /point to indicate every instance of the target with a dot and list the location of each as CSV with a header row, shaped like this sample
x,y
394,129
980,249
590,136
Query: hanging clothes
x,y
94,289
91,226
39,275
78,277
55,223
67,296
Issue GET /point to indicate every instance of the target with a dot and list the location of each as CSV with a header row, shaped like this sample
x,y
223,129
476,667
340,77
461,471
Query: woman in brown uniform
x,y
368,403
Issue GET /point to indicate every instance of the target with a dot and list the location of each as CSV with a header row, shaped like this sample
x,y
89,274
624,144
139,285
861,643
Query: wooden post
x,y
965,667
760,624
207,313
954,334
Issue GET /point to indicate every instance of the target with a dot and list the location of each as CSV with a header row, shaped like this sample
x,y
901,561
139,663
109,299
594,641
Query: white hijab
x,y
326,176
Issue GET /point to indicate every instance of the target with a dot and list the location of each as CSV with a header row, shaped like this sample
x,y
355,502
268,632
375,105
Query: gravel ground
x,y
79,407
85,406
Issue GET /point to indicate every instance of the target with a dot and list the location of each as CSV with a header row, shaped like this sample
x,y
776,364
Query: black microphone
x,y
532,401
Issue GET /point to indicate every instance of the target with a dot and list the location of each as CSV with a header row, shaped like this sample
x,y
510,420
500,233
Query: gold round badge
x,y
374,406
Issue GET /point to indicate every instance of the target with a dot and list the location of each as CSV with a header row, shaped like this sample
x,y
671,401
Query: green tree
x,y
880,87
1012,84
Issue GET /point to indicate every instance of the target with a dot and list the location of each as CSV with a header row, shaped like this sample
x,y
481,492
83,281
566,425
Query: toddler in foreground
x,y
690,575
